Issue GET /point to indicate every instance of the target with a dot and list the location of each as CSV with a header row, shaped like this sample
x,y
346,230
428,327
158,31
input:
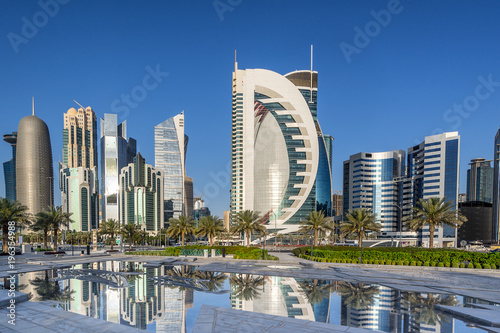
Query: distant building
x,y
141,195
432,170
337,204
78,175
9,168
116,153
34,171
480,181
495,228
369,183
478,225
462,197
199,209
170,157
226,219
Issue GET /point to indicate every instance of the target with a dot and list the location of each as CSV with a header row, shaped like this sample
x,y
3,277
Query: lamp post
x,y
400,222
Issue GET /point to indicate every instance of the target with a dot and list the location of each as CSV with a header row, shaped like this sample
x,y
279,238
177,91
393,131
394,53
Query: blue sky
x,y
422,70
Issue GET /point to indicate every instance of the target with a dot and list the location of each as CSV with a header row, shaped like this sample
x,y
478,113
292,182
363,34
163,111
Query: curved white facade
x,y
275,149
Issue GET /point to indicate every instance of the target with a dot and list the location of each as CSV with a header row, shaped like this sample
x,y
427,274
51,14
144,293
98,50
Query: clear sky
x,y
423,68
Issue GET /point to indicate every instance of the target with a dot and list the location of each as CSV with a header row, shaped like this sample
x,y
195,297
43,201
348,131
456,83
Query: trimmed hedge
x,y
402,256
239,252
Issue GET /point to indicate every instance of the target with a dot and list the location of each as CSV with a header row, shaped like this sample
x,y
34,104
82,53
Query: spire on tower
x,y
33,105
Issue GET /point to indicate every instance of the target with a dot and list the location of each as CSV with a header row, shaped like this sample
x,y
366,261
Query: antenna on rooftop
x,y
33,105
79,104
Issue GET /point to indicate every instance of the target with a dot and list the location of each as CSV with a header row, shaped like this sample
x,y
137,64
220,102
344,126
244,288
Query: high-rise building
x,y
478,226
495,228
34,171
369,183
78,175
200,209
170,157
480,181
432,170
141,195
9,168
280,159
116,153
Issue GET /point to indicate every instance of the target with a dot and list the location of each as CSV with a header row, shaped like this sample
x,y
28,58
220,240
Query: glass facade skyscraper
x,y
280,159
116,153
9,168
480,181
369,183
495,228
170,158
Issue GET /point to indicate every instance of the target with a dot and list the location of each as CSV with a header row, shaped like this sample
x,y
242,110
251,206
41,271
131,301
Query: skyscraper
x,y
433,171
116,153
34,172
170,157
369,183
9,168
78,180
495,228
141,195
480,181
280,159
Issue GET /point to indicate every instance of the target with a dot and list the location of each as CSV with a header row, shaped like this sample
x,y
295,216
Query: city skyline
x,y
408,77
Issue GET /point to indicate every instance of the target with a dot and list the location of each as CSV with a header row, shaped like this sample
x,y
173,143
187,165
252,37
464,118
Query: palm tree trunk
x,y
315,236
55,239
360,240
211,241
129,242
182,239
431,236
45,239
5,230
112,239
248,238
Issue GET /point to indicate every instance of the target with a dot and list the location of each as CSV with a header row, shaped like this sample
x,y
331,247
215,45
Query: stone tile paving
x,y
480,316
42,318
221,320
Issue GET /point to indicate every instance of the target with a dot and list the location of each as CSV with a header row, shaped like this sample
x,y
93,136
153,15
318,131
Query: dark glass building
x,y
478,225
9,168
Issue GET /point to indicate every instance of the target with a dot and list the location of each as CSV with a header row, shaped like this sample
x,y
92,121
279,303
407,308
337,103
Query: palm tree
x,y
57,219
130,230
358,295
181,227
316,222
434,212
245,286
247,222
42,224
110,227
360,222
210,226
13,212
316,290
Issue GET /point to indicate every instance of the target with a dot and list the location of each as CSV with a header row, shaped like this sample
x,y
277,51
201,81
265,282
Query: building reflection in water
x,y
147,304
281,296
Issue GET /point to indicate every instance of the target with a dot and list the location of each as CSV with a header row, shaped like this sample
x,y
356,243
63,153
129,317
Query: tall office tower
x,y
141,195
369,183
480,181
280,160
170,157
78,179
495,228
34,172
200,210
9,168
433,171
116,153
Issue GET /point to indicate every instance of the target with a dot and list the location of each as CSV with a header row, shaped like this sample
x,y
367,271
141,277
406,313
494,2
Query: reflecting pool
x,y
167,298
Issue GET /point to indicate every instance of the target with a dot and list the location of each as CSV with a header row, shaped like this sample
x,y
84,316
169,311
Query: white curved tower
x,y
275,147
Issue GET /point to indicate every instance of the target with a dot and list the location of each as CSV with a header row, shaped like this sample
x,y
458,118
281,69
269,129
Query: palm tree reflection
x,y
246,286
358,296
214,281
316,290
50,290
421,307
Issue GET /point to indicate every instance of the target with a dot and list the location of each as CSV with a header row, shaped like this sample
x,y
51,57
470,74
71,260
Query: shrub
x,y
376,262
441,264
455,264
413,263
433,264
447,264
406,262
462,265
486,266
426,263
478,265
401,262
470,265
493,266
419,263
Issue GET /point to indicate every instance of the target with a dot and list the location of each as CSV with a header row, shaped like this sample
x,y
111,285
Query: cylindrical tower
x,y
34,172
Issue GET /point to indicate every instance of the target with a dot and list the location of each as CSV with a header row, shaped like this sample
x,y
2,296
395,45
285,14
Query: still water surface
x,y
169,298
